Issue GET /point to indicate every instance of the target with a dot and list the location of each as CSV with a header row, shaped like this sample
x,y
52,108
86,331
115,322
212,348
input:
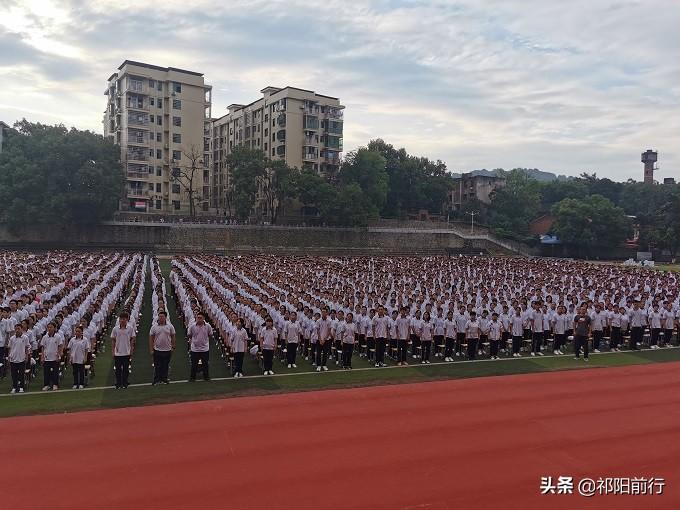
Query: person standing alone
x,y
581,333
199,346
123,340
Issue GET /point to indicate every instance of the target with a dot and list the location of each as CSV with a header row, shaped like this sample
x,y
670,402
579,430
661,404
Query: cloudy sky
x,y
564,86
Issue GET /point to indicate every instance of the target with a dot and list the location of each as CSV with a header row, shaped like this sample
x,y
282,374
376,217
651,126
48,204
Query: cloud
x,y
568,87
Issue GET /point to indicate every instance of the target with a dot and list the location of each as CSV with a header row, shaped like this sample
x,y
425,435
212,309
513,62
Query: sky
x,y
564,86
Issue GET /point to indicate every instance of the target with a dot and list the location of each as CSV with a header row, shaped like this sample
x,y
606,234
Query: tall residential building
x,y
3,129
299,126
158,116
469,187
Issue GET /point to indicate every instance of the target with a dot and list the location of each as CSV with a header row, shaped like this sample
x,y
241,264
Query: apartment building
x,y
299,126
469,187
158,116
3,129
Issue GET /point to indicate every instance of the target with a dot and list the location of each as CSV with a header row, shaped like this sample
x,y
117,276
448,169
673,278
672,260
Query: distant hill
x,y
539,175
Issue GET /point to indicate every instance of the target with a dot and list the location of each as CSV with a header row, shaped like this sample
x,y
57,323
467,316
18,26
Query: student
x,y
495,329
52,344
472,332
348,339
615,329
268,336
460,319
638,320
439,332
199,335
123,345
239,343
291,337
403,324
517,330
338,335
161,345
581,333
324,331
19,352
426,330
370,338
416,327
450,336
597,324
655,318
536,320
380,326
560,326
78,347
668,324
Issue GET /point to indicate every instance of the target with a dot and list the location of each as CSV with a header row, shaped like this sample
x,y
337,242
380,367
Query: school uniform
x,y
449,338
323,332
560,324
162,350
461,320
291,337
517,330
78,349
403,325
18,348
537,331
50,349
654,318
268,338
122,352
581,330
638,321
239,344
668,320
472,330
199,349
615,330
597,323
426,330
495,328
348,339
381,327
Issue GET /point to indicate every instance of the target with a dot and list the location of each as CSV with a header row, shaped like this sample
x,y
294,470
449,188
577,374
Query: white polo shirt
x,y
123,337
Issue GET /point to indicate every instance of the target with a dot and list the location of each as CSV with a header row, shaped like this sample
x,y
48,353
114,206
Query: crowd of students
x,y
422,308
56,308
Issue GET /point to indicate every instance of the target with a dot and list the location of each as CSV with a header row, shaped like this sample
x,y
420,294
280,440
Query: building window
x,y
177,121
150,169
151,186
159,120
177,104
175,205
176,138
265,146
159,171
273,151
266,132
177,87
159,137
151,118
176,155
159,102
158,187
175,189
151,101
151,153
158,204
152,84
159,154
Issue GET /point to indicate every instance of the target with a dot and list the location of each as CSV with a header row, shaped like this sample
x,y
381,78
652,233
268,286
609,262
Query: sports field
x,y
476,443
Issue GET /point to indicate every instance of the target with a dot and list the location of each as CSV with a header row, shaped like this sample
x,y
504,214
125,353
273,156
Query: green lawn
x,y
144,394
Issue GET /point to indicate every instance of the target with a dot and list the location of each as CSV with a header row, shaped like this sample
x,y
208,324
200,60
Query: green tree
x,y
514,205
51,174
366,168
277,185
246,167
589,223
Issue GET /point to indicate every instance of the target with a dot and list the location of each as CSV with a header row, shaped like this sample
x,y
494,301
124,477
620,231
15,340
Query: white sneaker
x,y
80,386
294,365
45,388
596,350
427,361
236,375
318,369
13,390
555,353
377,365
540,354
479,353
533,353
325,368
457,354
75,386
271,372
21,390
55,387
290,366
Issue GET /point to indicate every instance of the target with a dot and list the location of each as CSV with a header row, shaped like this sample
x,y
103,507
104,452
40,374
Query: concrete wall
x,y
244,239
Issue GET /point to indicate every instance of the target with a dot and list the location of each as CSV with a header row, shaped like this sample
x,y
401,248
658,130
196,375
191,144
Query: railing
x,y
137,175
335,114
138,193
137,156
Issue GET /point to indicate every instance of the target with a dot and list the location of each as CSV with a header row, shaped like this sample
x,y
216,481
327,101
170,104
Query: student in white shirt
x,y
19,352
78,347
268,337
123,345
199,335
52,344
517,330
668,324
291,337
380,326
161,344
403,323
239,343
495,328
348,339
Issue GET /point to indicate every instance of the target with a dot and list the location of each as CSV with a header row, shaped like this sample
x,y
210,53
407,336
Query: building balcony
x,y
332,159
132,157
310,156
335,113
138,193
137,175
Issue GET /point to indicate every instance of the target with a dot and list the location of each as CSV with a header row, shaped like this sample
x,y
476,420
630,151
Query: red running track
x,y
463,444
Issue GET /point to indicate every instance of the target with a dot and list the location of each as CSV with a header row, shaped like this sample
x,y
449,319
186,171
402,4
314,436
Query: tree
x,y
277,184
50,174
514,205
366,168
590,222
246,167
186,176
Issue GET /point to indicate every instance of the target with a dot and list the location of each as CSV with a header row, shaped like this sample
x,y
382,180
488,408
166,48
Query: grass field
x,y
100,394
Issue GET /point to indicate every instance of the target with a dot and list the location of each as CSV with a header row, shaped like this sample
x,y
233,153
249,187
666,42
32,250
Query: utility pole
x,y
472,216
